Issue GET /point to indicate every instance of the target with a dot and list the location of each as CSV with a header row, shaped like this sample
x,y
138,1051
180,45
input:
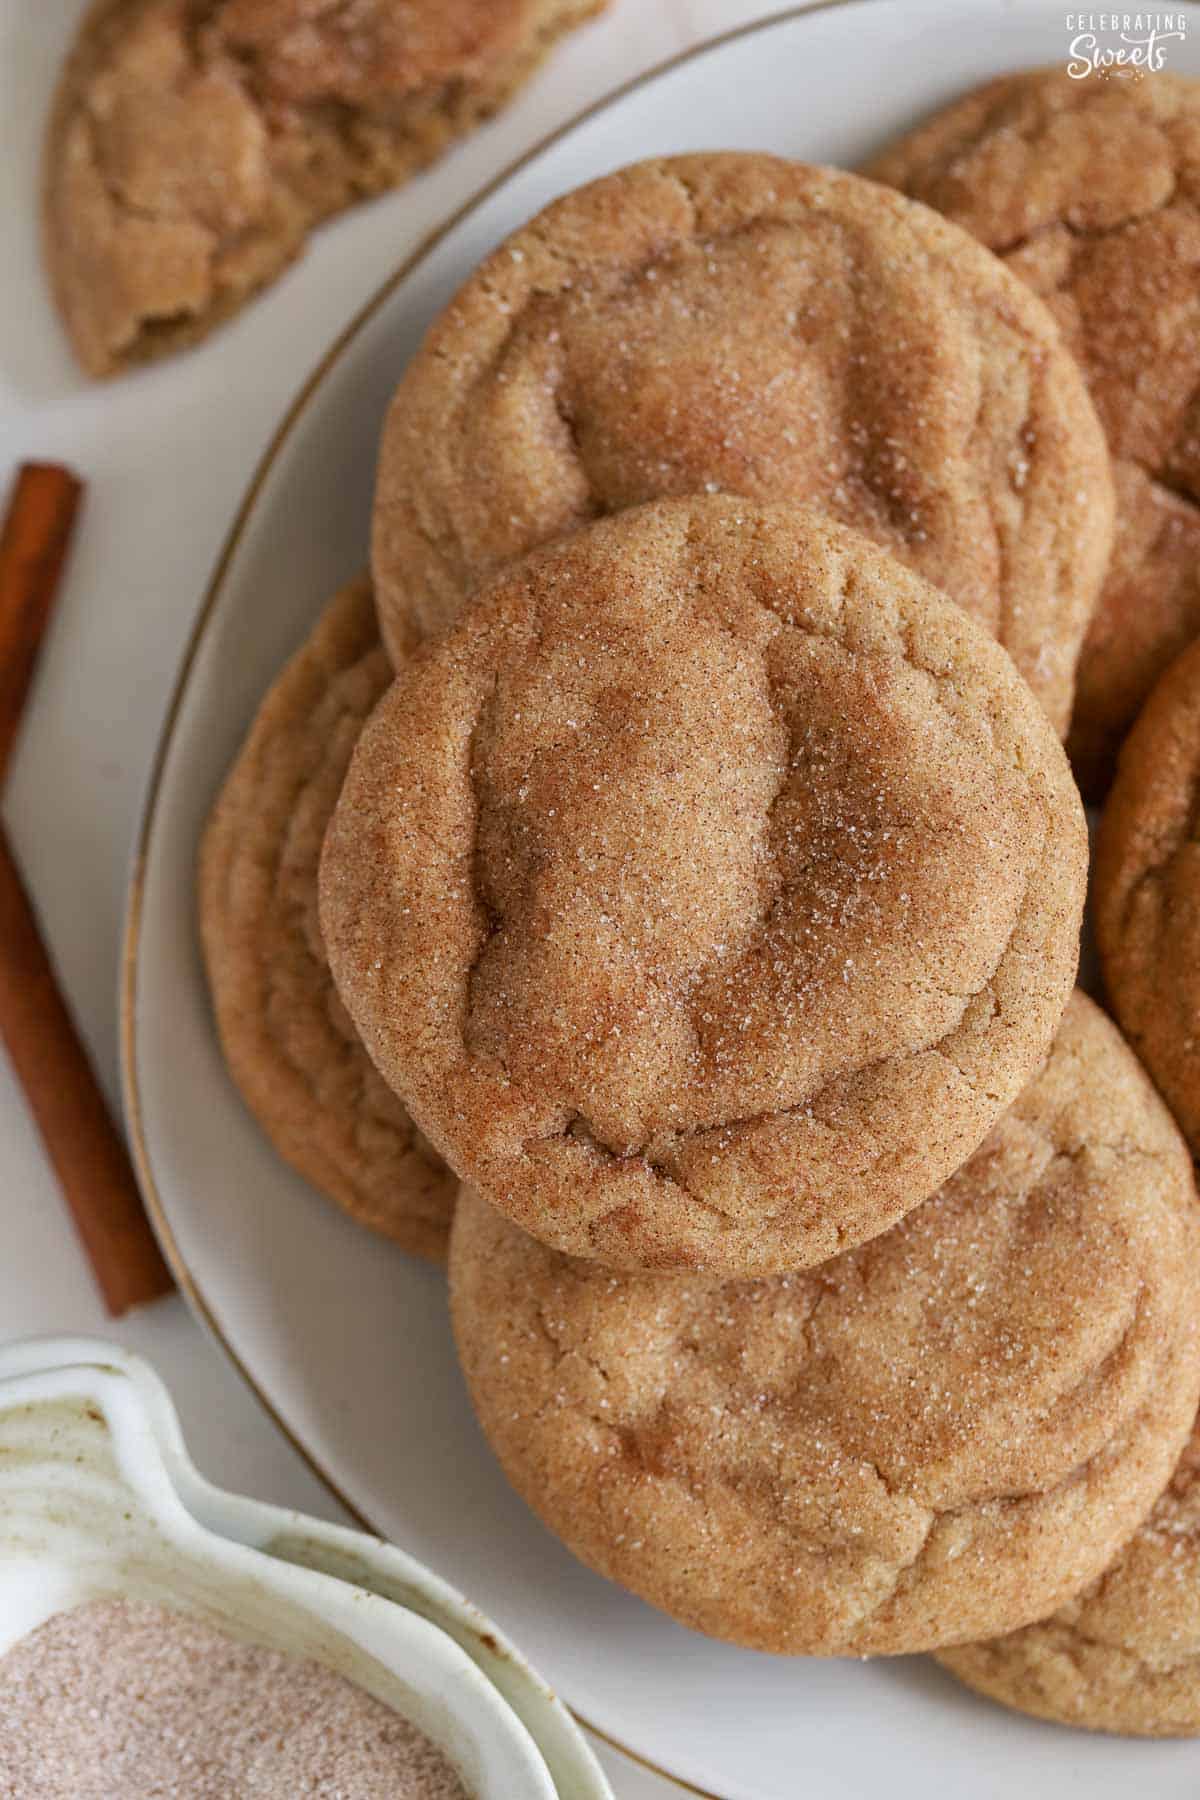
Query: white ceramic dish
x,y
98,1496
88,1510
347,1340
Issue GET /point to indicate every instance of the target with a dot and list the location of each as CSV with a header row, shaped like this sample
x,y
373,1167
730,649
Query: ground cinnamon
x,y
123,1698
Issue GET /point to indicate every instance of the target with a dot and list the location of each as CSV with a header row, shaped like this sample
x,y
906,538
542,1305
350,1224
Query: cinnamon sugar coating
x,y
708,890
194,144
955,1425
742,323
1124,1656
286,1036
1147,890
1090,191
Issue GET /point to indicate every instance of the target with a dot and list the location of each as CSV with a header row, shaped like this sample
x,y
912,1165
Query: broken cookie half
x,y
193,146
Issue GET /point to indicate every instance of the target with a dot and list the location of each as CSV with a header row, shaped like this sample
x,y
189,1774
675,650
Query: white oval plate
x,y
347,1339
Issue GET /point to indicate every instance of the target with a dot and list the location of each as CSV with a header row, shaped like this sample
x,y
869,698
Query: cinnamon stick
x,y
47,1054
89,1157
33,545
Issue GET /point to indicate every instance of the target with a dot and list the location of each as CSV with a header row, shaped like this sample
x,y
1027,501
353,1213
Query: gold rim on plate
x,y
134,1120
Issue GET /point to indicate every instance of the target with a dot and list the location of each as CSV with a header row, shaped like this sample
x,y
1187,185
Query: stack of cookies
x,y
674,845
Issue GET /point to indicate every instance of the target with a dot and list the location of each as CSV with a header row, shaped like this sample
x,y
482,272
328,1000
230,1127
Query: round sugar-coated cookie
x,y
748,324
1125,1655
1090,191
287,1039
959,1422
1147,889
707,891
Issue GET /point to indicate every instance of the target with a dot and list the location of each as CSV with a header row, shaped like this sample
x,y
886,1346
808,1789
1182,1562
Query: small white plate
x,y
89,1510
346,1339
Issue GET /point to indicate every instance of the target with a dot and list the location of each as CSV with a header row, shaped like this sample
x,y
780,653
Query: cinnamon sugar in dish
x,y
120,1697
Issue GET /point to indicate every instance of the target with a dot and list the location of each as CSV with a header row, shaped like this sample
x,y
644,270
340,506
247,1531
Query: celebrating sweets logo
x,y
1123,44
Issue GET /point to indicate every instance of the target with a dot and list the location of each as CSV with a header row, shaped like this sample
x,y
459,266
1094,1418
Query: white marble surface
x,y
166,455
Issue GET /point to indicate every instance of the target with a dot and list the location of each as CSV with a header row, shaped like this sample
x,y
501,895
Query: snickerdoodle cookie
x,y
1147,889
776,331
195,143
1124,1656
959,1422
1090,191
708,890
286,1037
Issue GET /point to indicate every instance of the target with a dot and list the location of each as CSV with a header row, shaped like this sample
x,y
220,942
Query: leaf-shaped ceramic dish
x,y
98,1497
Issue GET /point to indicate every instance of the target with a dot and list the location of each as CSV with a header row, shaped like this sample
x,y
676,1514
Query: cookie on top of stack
x,y
708,890
705,890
